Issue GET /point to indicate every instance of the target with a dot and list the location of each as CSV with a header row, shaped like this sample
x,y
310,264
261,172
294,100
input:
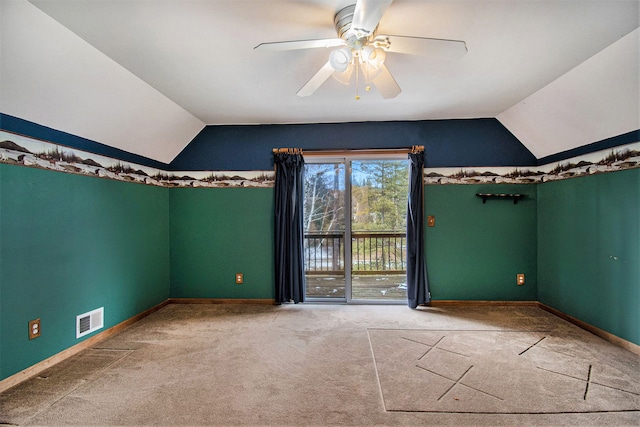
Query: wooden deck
x,y
371,287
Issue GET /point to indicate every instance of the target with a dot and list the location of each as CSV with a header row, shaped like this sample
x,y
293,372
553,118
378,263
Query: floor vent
x,y
89,322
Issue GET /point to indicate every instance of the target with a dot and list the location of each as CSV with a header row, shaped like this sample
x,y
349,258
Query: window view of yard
x,y
375,252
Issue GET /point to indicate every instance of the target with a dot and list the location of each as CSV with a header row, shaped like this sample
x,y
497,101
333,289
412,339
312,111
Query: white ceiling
x,y
147,75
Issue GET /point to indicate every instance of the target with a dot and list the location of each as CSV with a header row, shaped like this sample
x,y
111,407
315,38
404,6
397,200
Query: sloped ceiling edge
x,y
52,77
596,100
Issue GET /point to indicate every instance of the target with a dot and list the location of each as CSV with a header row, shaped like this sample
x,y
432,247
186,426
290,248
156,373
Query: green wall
x,y
475,250
589,250
216,233
73,243
70,244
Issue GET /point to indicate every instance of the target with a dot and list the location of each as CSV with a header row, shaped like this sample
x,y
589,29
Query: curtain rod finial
x,y
287,150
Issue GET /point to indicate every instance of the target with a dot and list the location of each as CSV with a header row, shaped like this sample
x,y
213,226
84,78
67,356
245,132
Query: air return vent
x,y
89,322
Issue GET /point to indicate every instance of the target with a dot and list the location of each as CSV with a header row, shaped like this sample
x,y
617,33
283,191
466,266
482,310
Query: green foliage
x,y
379,193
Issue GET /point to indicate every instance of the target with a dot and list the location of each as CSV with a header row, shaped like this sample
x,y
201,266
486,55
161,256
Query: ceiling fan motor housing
x,y
342,21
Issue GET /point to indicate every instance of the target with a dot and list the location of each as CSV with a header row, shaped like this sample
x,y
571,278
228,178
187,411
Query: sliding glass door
x,y
355,229
325,230
379,191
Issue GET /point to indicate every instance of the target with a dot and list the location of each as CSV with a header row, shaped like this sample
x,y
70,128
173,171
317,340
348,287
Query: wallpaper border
x,y
603,161
25,151
31,152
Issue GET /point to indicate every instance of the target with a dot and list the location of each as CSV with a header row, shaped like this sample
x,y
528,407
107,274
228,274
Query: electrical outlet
x,y
239,278
34,329
520,279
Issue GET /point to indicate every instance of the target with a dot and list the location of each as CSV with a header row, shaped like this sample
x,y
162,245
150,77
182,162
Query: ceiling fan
x,y
359,48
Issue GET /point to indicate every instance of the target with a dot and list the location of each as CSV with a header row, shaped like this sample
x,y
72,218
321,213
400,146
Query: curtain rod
x,y
360,152
414,149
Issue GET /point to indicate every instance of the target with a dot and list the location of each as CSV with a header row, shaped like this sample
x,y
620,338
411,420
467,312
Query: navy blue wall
x,y
454,143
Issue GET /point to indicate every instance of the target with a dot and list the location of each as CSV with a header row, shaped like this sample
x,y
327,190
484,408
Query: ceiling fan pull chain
x,y
366,73
357,79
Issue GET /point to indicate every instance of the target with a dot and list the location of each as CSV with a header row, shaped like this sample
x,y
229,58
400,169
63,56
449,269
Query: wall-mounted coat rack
x,y
486,196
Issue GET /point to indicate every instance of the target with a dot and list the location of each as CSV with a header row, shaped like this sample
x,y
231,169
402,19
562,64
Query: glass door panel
x,y
324,231
379,192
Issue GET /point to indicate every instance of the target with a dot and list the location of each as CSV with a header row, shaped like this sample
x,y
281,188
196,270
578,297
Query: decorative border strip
x,y
20,150
610,160
30,152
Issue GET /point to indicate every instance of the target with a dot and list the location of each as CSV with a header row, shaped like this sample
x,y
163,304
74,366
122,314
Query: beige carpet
x,y
501,372
337,365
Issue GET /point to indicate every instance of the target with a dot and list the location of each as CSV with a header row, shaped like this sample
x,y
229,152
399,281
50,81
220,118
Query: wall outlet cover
x,y
34,329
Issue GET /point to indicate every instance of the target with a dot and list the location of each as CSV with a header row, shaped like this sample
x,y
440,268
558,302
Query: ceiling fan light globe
x,y
345,76
368,52
378,57
340,59
370,72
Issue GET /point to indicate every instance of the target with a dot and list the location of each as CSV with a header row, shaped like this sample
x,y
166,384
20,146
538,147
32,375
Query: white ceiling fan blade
x,y
386,84
367,15
299,44
316,81
437,48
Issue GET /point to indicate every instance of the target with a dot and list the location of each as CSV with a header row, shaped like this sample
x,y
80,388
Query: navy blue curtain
x,y
289,243
417,286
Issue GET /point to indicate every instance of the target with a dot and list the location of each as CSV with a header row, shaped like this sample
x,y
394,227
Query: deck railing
x,y
372,253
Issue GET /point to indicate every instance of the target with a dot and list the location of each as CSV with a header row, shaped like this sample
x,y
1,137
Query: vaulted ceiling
x,y
146,76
